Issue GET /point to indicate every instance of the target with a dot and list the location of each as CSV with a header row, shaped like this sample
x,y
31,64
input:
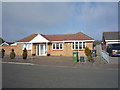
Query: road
x,y
36,76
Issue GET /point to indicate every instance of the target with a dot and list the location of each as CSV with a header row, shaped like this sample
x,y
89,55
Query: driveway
x,y
61,61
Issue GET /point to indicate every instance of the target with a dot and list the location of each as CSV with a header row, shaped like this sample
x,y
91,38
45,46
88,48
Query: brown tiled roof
x,y
57,37
77,36
27,39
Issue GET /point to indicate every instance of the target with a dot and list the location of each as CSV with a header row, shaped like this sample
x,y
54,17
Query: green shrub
x,y
88,52
90,58
12,54
24,54
2,53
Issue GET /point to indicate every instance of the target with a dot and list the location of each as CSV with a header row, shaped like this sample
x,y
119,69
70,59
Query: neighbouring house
x,y
56,45
111,37
4,43
1,41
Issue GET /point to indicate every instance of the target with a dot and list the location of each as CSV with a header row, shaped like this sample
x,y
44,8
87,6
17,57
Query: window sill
x,y
57,50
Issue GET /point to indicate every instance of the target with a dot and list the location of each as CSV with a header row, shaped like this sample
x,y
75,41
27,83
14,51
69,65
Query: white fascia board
x,y
22,42
57,41
112,40
14,44
39,39
77,40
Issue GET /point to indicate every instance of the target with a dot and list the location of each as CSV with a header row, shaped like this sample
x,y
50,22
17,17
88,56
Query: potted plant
x,y
24,53
12,54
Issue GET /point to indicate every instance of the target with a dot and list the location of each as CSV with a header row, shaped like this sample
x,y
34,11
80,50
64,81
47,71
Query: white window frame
x,y
78,45
55,46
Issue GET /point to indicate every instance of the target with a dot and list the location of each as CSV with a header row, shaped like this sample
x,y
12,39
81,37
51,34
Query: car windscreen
x,y
115,46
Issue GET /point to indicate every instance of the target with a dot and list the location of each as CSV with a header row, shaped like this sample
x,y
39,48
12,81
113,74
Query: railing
x,y
105,55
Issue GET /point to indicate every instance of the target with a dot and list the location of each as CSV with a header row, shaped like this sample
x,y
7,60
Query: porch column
x,y
31,48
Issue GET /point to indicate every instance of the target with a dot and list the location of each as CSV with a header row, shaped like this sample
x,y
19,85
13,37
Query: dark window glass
x,y
73,45
60,45
80,45
53,46
83,44
57,45
76,45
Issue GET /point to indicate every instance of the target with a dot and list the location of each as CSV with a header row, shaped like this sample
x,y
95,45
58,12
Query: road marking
x,y
19,63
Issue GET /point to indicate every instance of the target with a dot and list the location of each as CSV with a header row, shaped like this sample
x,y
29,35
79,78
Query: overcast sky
x,y
22,19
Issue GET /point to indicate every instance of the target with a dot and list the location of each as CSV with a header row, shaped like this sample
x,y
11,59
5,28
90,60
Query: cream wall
x,y
17,49
67,49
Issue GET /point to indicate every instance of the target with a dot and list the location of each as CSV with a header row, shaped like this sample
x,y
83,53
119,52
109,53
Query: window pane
x,y
53,46
80,45
73,45
83,44
57,46
76,45
60,45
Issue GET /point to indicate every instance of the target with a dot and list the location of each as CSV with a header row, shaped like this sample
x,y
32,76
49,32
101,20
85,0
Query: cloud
x,y
98,13
44,14
22,19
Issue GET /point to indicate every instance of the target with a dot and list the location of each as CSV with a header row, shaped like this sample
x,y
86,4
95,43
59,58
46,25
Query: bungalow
x,y
57,45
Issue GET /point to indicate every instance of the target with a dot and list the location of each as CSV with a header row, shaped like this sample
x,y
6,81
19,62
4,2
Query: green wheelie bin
x,y
82,59
75,56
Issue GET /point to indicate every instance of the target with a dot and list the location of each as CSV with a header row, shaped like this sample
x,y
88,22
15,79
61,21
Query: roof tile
x,y
77,36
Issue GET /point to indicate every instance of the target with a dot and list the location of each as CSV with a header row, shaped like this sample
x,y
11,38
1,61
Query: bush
x,y
2,53
90,58
24,54
12,54
88,52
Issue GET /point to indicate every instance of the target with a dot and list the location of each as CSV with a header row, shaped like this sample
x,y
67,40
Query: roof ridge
x,y
60,34
87,35
110,31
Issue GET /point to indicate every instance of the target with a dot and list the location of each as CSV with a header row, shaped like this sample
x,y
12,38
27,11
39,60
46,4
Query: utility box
x,y
75,56
94,53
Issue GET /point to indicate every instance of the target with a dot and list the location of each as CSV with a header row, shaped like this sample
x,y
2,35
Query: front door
x,y
41,50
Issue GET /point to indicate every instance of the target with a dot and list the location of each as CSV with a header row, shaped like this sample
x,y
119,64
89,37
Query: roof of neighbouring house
x,y
77,36
111,35
1,40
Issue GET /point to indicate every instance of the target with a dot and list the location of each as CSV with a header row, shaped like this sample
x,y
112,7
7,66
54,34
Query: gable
x,y
39,38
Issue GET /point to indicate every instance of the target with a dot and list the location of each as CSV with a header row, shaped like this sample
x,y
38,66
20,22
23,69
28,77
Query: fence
x,y
105,55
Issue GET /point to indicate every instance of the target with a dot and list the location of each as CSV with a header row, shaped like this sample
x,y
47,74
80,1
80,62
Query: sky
x,y
21,19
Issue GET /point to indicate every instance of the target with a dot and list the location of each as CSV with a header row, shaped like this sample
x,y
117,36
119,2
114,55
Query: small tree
x,y
3,52
88,53
12,54
24,53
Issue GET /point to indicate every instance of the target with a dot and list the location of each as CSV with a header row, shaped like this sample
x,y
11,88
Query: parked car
x,y
113,49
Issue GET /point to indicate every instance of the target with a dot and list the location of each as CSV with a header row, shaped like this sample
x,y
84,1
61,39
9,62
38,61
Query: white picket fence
x,y
105,55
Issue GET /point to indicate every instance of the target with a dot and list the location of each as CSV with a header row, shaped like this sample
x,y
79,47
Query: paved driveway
x,y
62,61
